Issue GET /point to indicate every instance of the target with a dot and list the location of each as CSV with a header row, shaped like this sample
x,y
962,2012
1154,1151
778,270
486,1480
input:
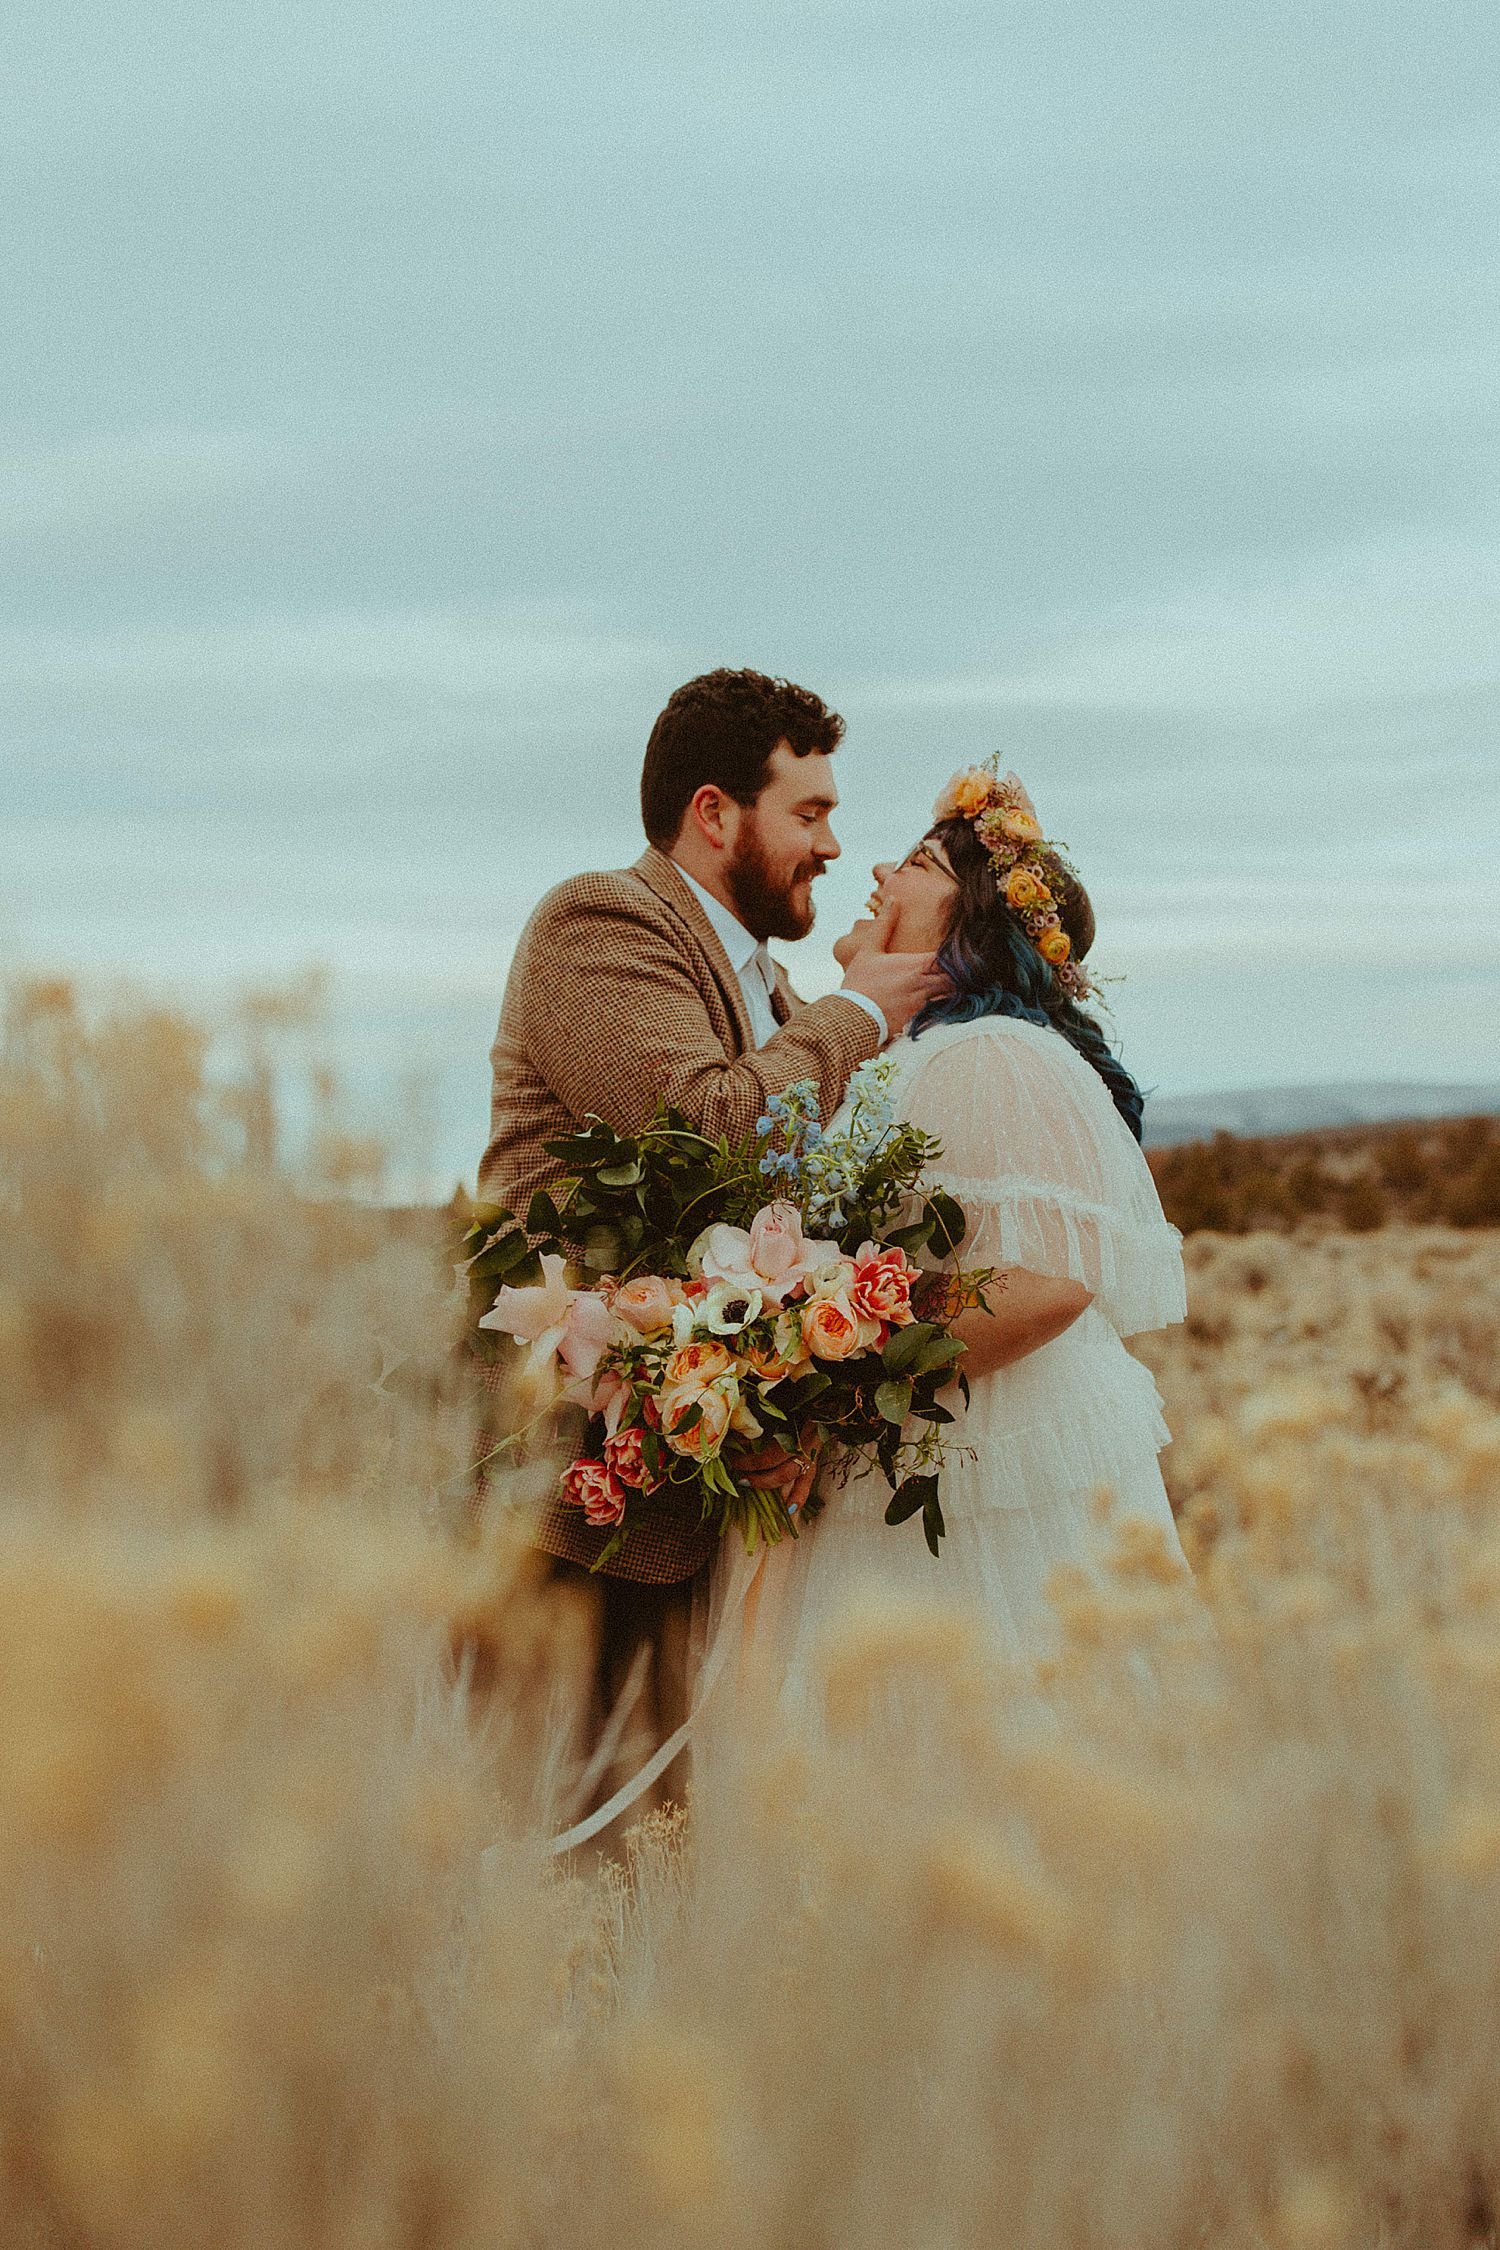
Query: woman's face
x,y
911,906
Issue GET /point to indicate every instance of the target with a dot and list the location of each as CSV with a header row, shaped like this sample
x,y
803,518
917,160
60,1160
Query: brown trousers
x,y
641,1652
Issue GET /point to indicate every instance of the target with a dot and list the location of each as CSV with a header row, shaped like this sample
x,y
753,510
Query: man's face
x,y
782,843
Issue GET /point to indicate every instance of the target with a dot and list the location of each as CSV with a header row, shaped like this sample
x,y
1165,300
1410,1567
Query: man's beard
x,y
763,900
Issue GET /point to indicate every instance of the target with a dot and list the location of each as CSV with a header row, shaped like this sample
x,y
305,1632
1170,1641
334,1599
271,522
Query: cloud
x,y
1362,624
394,420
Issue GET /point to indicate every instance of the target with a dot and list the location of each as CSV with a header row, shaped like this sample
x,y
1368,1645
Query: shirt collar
x,y
731,933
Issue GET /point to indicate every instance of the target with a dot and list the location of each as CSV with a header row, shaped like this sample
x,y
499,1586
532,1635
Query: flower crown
x,y
1032,872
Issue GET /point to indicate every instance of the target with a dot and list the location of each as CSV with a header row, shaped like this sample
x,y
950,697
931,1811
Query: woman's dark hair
x,y
722,727
995,970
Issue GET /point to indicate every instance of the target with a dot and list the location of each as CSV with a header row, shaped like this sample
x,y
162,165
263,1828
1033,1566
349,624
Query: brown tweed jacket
x,y
619,996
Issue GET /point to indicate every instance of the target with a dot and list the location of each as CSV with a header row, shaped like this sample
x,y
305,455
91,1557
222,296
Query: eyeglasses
x,y
923,855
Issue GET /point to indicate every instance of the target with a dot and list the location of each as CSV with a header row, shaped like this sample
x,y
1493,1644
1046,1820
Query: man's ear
x,y
708,815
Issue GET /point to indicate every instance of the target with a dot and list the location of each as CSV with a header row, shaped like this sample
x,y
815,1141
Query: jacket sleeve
x,y
616,1022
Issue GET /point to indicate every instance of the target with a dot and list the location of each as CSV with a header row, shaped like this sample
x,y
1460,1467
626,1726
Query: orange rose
x,y
716,1405
764,1360
832,1330
1021,827
965,795
1054,946
696,1365
1022,889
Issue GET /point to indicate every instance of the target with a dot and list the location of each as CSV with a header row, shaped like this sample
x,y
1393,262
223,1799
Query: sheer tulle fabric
x,y
1048,1173
994,1570
1050,1178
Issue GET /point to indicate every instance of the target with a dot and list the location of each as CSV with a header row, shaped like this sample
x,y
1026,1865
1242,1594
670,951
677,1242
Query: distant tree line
x,y
1355,1177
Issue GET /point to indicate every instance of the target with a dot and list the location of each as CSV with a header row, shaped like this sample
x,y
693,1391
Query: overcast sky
x,y
398,404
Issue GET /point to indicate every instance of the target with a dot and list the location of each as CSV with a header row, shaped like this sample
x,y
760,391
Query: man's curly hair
x,y
722,727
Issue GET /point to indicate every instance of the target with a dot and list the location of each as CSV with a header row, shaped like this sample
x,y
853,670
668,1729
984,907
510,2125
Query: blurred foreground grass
x,y
1201,1950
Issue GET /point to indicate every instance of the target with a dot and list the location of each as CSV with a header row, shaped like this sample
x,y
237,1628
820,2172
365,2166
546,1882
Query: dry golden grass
x,y
1212,1959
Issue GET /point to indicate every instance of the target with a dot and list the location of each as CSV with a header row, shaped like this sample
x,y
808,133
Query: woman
x,y
1040,1130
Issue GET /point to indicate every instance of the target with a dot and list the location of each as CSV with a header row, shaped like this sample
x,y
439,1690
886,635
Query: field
x,y
1214,1960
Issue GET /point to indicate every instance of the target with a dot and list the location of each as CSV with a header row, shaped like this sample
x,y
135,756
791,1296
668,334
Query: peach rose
x,y
784,1355
762,1359
1021,827
1054,946
781,1255
717,1404
882,1285
645,1304
768,1259
597,1490
696,1365
831,1329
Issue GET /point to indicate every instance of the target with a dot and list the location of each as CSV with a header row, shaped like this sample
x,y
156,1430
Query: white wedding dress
x,y
1050,1178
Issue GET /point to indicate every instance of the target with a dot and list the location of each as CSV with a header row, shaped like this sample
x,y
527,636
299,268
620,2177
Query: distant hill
x,y
1442,1171
1172,1119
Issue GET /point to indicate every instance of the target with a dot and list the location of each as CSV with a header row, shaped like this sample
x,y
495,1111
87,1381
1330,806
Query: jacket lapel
x,y
666,882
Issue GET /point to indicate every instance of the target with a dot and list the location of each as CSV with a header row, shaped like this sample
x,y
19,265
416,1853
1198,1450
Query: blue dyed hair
x,y
995,970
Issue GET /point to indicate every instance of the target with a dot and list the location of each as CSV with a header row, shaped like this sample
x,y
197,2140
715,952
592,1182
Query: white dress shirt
x,y
752,964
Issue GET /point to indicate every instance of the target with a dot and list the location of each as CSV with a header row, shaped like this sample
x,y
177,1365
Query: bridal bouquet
x,y
727,1307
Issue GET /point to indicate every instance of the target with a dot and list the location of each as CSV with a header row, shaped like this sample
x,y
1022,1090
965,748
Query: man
x,y
654,982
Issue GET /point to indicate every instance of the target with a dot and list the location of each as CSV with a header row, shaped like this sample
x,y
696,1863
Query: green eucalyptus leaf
x,y
942,1351
904,1345
893,1400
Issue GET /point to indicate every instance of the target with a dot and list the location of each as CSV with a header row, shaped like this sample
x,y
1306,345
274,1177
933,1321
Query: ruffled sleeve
x,y
1049,1175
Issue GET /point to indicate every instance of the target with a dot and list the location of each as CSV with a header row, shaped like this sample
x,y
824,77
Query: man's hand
x,y
899,983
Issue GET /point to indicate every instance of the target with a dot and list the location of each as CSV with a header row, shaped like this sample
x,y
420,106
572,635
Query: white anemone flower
x,y
728,1309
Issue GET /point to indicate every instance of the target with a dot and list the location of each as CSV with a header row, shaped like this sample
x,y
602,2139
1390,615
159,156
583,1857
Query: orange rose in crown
x,y
965,795
1023,889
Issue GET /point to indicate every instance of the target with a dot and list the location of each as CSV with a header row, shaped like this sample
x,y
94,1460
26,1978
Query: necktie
x,y
767,968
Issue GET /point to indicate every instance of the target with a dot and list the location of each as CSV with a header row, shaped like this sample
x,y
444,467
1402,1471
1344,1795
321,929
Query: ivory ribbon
x,y
747,1577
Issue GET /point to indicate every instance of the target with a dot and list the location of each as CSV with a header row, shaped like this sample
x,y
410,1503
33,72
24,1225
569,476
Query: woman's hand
x,y
770,1468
